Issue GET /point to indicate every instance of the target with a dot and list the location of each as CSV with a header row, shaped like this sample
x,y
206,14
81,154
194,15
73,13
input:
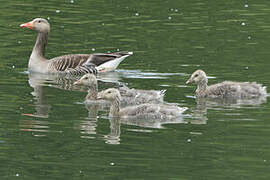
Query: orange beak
x,y
29,25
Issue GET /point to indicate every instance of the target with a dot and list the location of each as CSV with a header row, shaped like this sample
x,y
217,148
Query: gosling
x,y
226,89
129,96
142,111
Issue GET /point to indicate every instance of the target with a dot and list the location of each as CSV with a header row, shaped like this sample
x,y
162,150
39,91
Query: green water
x,y
46,132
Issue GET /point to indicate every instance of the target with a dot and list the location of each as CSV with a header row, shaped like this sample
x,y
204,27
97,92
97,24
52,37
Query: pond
x,y
47,132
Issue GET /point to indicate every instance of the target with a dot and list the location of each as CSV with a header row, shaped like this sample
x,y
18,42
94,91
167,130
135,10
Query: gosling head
x,y
197,77
109,94
87,80
38,24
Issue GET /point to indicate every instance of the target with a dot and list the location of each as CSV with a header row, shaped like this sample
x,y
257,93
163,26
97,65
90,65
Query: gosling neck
x,y
202,86
92,92
115,107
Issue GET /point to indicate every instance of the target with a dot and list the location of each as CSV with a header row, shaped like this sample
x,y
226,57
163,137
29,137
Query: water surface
x,y
47,132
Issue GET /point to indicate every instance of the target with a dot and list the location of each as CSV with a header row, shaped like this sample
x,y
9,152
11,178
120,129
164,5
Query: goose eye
x,y
86,78
109,92
39,21
196,75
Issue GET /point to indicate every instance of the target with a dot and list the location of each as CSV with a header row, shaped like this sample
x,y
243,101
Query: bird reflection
x,y
199,114
40,102
88,127
229,102
115,131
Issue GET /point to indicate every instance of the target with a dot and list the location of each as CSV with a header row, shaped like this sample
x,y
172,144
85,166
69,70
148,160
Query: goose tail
x,y
113,64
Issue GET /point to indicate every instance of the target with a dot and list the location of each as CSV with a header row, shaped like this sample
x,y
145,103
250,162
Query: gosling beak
x,y
29,25
189,81
77,82
99,96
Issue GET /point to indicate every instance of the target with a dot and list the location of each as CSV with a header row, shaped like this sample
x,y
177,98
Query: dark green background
x,y
229,40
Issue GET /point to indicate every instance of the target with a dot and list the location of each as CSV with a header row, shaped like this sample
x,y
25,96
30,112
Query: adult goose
x,y
142,111
72,63
226,89
129,96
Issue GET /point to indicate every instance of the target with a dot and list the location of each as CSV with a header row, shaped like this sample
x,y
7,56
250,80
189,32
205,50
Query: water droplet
x,y
169,17
71,1
171,9
117,49
102,24
243,24
176,10
112,164
264,160
17,174
13,66
249,37
189,140
57,11
108,51
19,42
246,5
93,49
48,18
246,67
80,172
137,14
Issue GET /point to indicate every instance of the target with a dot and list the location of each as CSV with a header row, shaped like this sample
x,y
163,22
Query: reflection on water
x,y
89,125
204,103
199,113
114,136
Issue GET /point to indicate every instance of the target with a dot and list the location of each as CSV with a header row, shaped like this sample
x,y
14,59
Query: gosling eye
x,y
86,78
39,21
196,75
109,92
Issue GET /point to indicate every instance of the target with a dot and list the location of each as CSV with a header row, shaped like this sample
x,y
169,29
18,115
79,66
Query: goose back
x,y
101,58
62,63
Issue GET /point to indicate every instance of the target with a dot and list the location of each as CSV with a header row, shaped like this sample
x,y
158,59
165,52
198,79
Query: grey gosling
x,y
90,81
129,96
226,89
142,111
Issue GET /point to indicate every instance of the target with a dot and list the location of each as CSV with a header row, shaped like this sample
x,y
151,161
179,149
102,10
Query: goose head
x,y
197,77
87,80
110,94
38,24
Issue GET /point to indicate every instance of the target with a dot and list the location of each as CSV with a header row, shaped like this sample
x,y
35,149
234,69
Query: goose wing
x,y
65,62
101,58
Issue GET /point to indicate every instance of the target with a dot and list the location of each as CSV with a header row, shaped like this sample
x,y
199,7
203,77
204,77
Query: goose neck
x,y
40,46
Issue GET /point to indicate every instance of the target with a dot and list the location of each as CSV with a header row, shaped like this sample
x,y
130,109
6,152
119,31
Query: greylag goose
x,y
142,111
129,96
73,63
226,89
